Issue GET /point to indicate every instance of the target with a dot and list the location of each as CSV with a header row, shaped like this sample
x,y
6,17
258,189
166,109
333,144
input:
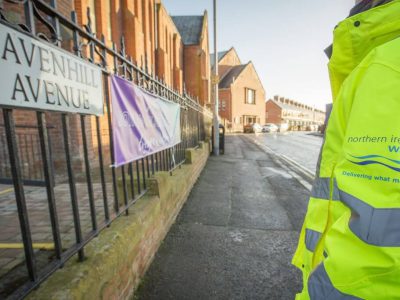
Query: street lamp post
x,y
215,87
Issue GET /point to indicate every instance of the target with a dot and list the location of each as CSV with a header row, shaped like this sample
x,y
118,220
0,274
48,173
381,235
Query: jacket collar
x,y
358,35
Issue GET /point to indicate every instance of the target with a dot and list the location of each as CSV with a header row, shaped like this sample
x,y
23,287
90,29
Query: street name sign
x,y
37,75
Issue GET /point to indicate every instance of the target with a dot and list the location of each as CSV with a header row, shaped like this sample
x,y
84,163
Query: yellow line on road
x,y
6,191
45,246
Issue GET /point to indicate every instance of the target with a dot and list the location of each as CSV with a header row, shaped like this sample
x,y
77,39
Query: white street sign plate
x,y
37,75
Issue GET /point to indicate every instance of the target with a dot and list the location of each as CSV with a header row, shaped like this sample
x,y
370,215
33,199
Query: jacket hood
x,y
366,5
359,34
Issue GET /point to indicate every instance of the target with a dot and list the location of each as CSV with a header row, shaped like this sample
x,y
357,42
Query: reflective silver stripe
x,y
336,193
320,287
375,226
321,189
312,239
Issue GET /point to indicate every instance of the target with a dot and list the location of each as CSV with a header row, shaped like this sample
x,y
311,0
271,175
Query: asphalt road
x,y
302,147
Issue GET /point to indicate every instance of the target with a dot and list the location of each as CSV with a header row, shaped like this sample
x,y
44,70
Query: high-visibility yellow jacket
x,y
349,247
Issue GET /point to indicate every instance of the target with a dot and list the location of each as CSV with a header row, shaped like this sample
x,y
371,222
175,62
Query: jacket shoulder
x,y
387,54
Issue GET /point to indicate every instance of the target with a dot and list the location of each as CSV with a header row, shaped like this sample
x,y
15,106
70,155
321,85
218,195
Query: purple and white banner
x,y
142,123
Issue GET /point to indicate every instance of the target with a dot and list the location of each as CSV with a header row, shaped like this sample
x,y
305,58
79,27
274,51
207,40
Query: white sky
x,y
284,39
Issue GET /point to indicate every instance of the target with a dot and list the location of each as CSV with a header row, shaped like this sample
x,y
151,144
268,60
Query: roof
x,y
284,105
220,56
292,107
231,76
190,28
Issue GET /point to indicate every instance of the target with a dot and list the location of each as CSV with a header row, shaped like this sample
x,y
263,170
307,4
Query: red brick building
x,y
296,115
241,93
196,58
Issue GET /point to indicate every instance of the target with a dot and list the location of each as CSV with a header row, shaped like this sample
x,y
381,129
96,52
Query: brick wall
x,y
169,51
230,59
192,65
197,69
225,97
273,112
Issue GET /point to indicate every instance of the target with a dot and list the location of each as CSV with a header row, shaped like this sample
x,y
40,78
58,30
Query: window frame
x,y
246,94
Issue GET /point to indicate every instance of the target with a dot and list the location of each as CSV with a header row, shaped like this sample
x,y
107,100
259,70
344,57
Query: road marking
x,y
305,170
44,246
301,180
302,169
279,172
6,191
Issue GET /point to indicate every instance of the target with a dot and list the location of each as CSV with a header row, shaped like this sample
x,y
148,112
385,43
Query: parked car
x,y
312,128
252,128
257,128
283,127
270,128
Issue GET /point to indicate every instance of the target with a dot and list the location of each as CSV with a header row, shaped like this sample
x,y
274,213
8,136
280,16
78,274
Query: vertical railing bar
x,y
26,166
171,160
165,160
71,175
56,23
72,186
132,180
36,156
19,192
49,180
102,175
167,153
30,154
143,175
110,129
152,164
88,173
124,69
138,177
100,145
148,166
29,17
50,158
161,161
125,190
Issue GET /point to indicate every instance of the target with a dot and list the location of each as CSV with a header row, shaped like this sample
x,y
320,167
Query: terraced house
x,y
296,115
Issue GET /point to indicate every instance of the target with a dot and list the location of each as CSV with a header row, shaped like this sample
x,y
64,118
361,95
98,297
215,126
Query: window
x,y
110,13
92,7
250,96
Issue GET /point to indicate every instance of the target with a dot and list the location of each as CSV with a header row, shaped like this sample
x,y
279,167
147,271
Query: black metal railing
x,y
72,159
28,142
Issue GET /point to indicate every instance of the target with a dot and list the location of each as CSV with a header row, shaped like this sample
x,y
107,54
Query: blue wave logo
x,y
370,160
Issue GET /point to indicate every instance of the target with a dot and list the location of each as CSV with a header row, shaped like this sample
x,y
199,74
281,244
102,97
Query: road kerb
x,y
295,169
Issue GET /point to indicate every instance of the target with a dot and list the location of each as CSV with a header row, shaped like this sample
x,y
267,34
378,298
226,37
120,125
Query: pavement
x,y
237,232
